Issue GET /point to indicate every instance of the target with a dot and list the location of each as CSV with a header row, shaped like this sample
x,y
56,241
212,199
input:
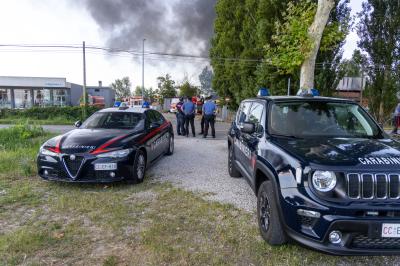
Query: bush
x,y
19,136
69,113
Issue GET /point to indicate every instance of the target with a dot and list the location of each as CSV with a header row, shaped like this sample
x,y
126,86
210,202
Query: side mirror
x,y
248,128
78,123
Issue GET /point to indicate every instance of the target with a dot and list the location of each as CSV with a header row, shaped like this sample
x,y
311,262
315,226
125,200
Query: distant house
x,y
351,88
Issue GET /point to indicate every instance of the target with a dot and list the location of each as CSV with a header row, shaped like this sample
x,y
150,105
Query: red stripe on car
x,y
154,132
57,148
102,148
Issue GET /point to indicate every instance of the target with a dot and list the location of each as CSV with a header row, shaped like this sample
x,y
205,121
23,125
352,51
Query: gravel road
x,y
200,165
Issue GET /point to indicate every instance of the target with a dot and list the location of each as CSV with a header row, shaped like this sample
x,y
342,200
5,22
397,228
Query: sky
x,y
69,22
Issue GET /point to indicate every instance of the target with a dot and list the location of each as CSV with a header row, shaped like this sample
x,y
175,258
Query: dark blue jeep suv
x,y
324,172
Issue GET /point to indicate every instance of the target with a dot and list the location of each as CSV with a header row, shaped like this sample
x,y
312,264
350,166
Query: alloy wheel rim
x,y
265,212
140,167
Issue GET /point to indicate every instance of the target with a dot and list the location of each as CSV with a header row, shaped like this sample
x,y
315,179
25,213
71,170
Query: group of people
x,y
186,112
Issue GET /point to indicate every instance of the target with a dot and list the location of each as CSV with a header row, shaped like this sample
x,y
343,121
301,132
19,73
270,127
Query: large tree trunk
x,y
315,34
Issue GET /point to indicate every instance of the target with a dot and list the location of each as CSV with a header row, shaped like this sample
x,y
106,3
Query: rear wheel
x,y
233,171
139,167
171,145
268,216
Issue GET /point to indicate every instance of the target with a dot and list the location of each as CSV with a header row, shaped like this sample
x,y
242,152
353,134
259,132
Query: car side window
x,y
159,117
242,115
255,116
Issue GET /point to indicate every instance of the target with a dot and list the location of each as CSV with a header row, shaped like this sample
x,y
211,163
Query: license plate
x,y
391,230
105,166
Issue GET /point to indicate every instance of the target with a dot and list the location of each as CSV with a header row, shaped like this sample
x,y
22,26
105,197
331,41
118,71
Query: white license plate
x,y
105,166
391,230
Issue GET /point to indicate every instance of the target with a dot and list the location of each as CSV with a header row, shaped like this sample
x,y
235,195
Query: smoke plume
x,y
172,26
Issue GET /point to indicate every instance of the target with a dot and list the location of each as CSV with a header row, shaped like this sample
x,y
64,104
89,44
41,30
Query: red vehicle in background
x,y
198,101
97,101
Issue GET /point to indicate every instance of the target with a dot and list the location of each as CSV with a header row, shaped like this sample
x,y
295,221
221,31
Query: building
x,y
26,92
351,88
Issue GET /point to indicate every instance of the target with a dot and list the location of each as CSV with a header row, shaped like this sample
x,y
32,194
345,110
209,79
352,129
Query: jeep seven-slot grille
x,y
373,186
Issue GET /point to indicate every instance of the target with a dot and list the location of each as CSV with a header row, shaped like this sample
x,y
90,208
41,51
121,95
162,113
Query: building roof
x,y
39,82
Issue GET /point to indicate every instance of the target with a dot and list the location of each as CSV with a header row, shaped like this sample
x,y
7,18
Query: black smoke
x,y
171,26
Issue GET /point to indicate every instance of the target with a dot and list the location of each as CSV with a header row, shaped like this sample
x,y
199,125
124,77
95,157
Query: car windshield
x,y
321,119
115,120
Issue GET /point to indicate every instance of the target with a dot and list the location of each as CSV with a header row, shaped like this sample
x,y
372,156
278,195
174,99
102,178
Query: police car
x,y
324,172
113,144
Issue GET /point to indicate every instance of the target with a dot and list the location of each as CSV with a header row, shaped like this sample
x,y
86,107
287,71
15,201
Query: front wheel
x,y
171,145
268,215
233,171
139,167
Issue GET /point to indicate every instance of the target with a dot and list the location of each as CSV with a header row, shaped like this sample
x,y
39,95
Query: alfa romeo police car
x,y
113,144
324,172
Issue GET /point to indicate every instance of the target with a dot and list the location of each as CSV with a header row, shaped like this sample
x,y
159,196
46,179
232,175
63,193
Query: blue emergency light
x,y
263,92
117,104
309,92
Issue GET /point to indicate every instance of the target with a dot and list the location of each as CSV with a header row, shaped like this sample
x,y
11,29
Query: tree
x,y
138,91
303,32
186,89
122,88
166,87
353,67
379,34
206,77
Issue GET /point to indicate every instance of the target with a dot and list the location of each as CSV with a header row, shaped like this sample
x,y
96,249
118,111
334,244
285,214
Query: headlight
x,y
46,152
115,154
324,181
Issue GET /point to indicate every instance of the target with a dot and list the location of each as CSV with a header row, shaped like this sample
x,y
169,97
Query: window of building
x,y
22,98
42,97
5,98
61,97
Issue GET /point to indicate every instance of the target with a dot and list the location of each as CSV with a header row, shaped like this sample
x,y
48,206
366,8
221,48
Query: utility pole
x,y
362,85
143,70
84,80
288,87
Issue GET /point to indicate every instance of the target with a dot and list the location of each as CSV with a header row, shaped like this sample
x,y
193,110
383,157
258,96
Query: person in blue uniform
x,y
209,110
146,104
189,109
180,118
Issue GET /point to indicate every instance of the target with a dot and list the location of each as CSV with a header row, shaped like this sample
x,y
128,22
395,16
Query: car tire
x,y
139,167
171,146
233,171
268,218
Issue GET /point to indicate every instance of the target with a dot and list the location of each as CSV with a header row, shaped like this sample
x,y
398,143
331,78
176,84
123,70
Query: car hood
x,y
343,151
86,140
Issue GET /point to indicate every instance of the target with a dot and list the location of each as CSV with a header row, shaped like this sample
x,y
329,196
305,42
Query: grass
x,y
55,121
148,224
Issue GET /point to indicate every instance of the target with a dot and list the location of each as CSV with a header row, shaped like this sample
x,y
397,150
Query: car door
x,y
153,135
251,141
164,132
240,150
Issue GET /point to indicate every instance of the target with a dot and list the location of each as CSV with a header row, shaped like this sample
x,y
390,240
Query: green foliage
x,y
206,76
353,67
186,89
379,38
243,28
68,113
291,41
19,136
122,88
166,87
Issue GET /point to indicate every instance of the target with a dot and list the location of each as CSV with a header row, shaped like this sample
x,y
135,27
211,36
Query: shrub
x,y
70,113
21,135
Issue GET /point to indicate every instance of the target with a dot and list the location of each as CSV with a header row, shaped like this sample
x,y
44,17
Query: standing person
x,y
202,116
396,119
145,104
209,109
180,118
189,109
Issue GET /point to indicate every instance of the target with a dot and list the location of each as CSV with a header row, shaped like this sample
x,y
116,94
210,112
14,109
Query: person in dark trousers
x,y
396,119
209,109
180,118
189,109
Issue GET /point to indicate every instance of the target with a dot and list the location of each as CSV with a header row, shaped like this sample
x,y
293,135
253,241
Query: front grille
x,y
73,166
365,242
373,186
